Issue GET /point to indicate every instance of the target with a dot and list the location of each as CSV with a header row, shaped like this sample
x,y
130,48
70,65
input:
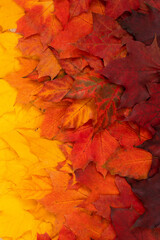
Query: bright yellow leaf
x,y
47,151
21,149
8,53
10,12
35,188
8,97
14,221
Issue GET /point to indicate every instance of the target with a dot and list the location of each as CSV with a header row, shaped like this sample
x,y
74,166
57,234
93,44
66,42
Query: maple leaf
x,y
116,8
26,87
153,145
123,220
95,181
125,199
138,69
63,42
53,118
87,148
66,234
8,53
39,19
10,12
147,113
68,115
78,113
133,163
48,65
43,237
86,85
48,152
62,200
92,229
102,146
24,222
147,26
106,95
56,185
35,188
31,46
62,10
56,89
126,134
148,192
20,159
105,39
108,98
73,66
78,7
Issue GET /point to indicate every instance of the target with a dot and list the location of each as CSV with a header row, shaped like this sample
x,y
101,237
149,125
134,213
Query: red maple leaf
x,y
147,113
123,220
140,67
147,27
105,39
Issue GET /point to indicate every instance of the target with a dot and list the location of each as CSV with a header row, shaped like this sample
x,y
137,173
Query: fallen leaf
x,y
78,7
66,234
93,226
147,26
10,12
117,8
123,220
43,237
138,69
39,19
146,113
148,192
153,145
48,65
78,113
64,40
62,10
96,183
125,199
56,89
134,163
61,201
105,39
8,53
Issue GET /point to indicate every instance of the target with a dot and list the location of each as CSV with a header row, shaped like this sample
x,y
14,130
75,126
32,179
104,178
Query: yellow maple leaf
x,y
24,220
10,12
8,53
34,188
21,150
16,222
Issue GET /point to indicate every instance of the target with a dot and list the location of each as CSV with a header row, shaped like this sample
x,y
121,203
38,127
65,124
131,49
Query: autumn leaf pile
x,y
79,119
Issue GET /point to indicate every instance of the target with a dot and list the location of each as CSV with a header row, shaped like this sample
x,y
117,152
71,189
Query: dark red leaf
x,y
142,26
148,191
123,220
140,67
147,113
105,39
153,145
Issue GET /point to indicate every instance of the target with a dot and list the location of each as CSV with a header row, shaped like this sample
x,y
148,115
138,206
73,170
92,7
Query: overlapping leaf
x,y
63,138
